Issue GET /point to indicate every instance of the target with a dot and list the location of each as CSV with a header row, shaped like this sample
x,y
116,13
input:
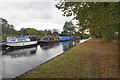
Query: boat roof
x,y
65,38
49,37
22,38
27,36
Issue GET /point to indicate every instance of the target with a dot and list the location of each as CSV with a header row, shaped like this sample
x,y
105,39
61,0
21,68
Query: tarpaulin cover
x,y
22,38
64,38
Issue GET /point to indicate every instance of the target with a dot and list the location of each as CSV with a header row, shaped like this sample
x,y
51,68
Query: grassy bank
x,y
92,59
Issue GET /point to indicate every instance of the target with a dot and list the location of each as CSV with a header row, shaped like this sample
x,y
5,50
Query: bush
x,y
85,36
115,36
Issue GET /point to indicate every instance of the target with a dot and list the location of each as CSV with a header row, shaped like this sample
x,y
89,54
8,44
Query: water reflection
x,y
69,44
27,52
46,46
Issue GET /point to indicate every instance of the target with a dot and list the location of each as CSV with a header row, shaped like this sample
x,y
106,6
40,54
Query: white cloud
x,y
39,15
28,0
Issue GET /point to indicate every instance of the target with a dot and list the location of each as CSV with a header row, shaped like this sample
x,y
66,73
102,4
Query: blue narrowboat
x,y
65,38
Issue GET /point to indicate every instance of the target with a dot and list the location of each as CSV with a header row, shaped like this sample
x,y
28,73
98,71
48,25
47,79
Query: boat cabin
x,y
10,38
21,39
49,39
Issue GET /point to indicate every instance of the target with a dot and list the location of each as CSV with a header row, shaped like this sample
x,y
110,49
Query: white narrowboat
x,y
21,42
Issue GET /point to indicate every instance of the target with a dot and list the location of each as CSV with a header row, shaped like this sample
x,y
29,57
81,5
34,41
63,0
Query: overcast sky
x,y
38,15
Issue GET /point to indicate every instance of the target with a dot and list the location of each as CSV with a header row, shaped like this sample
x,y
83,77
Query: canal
x,y
18,61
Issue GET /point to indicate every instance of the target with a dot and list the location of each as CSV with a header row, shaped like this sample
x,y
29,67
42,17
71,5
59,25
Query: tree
x,y
65,26
55,32
64,33
45,32
100,17
7,28
49,32
11,26
32,31
23,31
69,27
41,32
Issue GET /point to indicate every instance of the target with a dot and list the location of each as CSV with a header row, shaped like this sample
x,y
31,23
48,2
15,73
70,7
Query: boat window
x,y
33,38
20,40
44,38
48,38
56,38
12,39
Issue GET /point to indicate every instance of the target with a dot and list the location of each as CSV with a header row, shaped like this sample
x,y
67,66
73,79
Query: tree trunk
x,y
108,34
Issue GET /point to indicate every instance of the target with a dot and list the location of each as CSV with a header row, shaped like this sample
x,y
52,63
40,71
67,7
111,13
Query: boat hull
x,y
21,44
64,40
49,41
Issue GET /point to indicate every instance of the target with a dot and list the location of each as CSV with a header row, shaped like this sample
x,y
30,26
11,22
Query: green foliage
x,y
49,32
23,31
100,17
40,32
7,28
32,31
85,36
28,31
64,33
55,32
68,26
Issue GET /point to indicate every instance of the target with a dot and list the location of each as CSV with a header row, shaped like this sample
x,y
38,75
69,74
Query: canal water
x,y
18,61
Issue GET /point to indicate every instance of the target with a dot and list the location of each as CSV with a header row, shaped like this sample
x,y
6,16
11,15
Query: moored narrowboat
x,y
65,38
21,42
49,39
